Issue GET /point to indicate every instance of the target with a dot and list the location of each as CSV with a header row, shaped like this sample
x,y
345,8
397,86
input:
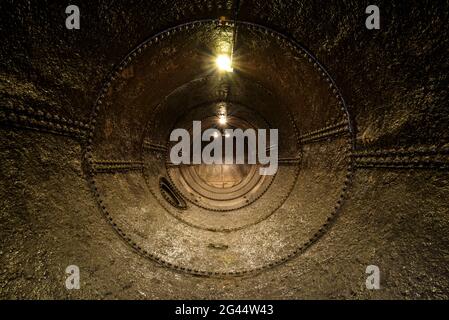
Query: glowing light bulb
x,y
222,119
224,63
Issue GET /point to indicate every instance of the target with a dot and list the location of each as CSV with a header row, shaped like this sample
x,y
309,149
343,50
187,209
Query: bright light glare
x,y
223,63
222,119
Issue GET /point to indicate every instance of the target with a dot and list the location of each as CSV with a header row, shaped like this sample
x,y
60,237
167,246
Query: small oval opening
x,y
170,195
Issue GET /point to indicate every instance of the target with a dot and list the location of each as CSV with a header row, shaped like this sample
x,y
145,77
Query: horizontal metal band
x,y
338,129
403,158
38,120
116,166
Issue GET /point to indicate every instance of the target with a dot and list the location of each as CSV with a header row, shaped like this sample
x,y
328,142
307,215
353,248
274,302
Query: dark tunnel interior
x,y
363,150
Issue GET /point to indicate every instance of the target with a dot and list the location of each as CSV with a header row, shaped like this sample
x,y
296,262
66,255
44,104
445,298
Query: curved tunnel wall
x,y
394,213
275,223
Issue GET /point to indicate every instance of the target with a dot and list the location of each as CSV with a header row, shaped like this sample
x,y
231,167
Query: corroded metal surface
x,y
395,214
